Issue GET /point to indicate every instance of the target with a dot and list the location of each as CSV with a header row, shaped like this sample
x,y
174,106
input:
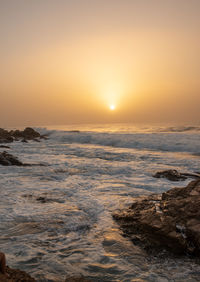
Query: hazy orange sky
x,y
68,61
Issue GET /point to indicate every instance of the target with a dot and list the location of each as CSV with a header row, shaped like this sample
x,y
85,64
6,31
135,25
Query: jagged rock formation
x,y
15,275
7,159
167,221
5,136
14,135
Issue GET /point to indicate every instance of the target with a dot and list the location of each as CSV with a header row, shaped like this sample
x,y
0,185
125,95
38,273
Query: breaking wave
x,y
162,139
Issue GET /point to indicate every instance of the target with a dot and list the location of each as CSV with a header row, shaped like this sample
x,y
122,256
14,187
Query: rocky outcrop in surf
x,y
20,135
5,136
7,159
168,221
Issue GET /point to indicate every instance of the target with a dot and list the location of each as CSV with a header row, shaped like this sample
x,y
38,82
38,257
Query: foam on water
x,y
174,139
56,220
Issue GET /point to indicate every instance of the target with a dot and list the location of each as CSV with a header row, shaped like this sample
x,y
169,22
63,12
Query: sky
x,y
99,61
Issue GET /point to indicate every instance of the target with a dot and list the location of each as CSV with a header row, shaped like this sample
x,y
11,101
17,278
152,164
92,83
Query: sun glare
x,y
112,107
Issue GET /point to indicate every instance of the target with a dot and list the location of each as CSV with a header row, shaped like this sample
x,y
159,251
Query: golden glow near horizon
x,y
70,61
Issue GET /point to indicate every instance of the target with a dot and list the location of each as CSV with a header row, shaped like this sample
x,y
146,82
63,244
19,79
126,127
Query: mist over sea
x,y
56,219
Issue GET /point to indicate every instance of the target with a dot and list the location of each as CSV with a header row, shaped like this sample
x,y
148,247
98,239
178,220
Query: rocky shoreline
x,y
28,134
168,221
20,135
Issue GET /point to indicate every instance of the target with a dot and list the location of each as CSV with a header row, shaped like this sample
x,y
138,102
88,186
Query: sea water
x,y
56,219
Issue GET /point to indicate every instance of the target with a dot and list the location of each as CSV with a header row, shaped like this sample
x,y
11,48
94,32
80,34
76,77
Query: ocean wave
x,y
180,129
159,141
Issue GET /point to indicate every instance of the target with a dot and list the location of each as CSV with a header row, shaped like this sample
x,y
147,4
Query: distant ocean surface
x,y
56,220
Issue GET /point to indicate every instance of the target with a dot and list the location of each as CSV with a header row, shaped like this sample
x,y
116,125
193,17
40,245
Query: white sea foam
x,y
173,141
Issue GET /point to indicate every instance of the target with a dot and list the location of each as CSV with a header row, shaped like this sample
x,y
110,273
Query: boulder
x,y
15,135
30,133
27,134
168,221
5,136
7,159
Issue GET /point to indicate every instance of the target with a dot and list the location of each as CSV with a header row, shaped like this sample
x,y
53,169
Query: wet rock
x,y
5,136
7,159
2,263
174,175
15,275
170,174
16,135
30,133
42,199
168,221
27,134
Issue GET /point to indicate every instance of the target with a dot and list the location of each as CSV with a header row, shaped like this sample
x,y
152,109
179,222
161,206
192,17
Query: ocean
x,y
56,219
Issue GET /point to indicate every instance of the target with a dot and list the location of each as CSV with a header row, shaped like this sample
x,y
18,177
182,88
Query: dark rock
x,y
7,159
174,175
2,263
5,136
42,199
168,221
24,140
30,133
15,135
191,175
170,174
15,275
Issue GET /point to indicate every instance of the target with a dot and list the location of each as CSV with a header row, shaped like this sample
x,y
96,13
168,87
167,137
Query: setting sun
x,y
112,107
